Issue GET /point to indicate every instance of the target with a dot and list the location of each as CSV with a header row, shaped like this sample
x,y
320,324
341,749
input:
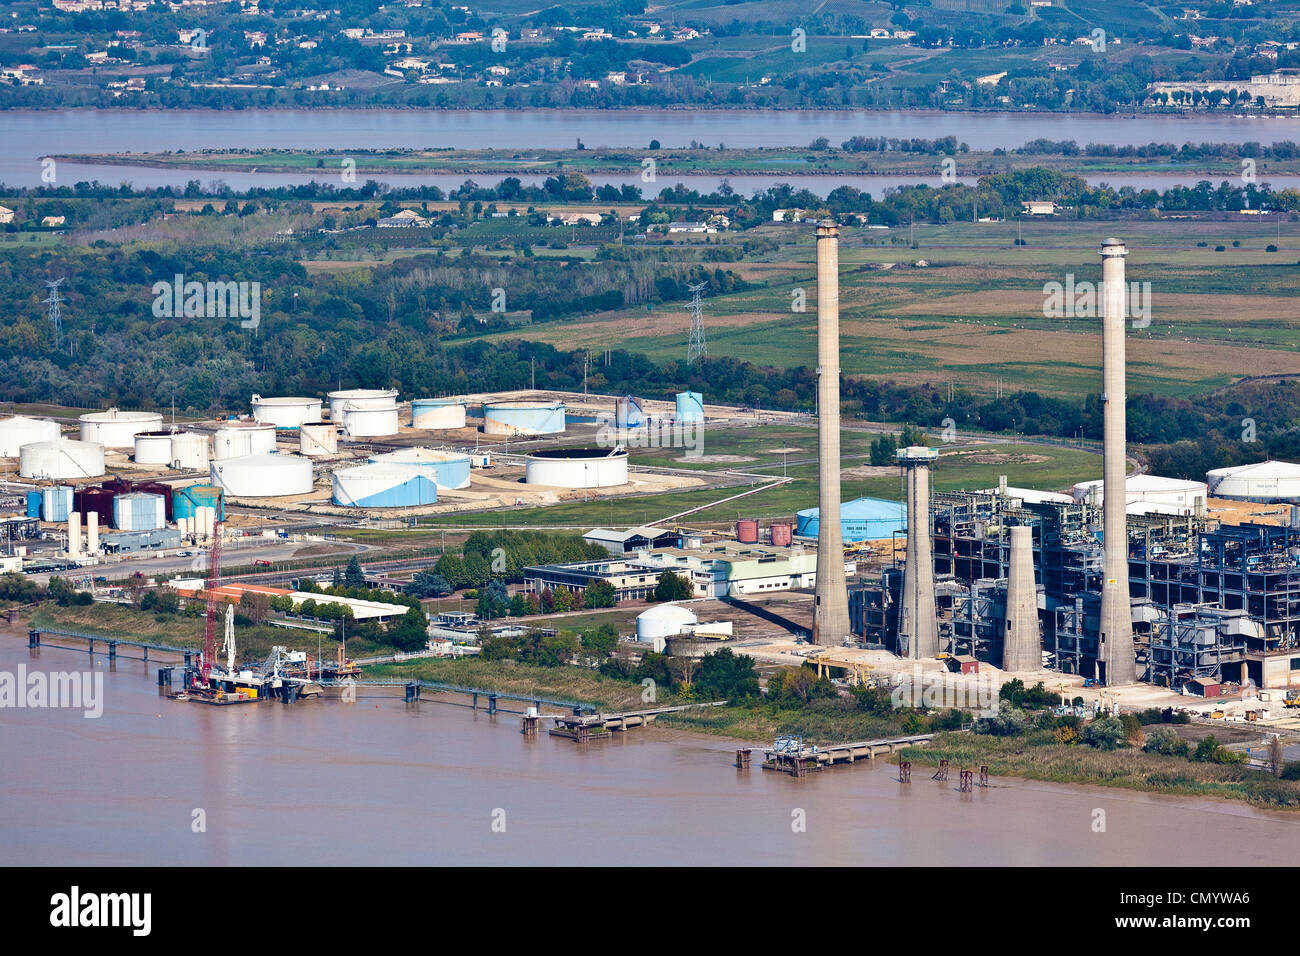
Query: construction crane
x,y
210,626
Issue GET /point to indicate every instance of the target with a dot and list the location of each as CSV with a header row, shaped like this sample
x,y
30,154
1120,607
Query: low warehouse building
x,y
619,543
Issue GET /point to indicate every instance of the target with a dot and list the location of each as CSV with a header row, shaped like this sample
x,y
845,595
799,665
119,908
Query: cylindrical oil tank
x,y
318,438
34,504
360,398
690,407
61,459
449,468
369,422
435,413
117,429
18,431
187,501
241,439
577,468
263,476
628,413
163,491
153,448
286,412
782,533
139,511
385,485
747,531
190,450
56,503
523,418
95,501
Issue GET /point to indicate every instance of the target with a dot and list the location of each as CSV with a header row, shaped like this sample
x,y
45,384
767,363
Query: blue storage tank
x,y
34,499
56,503
139,511
185,501
862,519
690,407
628,413
385,485
523,418
449,469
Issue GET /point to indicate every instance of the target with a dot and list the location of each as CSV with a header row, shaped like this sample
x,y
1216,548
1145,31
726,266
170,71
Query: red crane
x,y
210,626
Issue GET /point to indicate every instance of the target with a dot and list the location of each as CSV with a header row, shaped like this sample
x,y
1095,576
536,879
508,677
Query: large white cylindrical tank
x,y
18,431
318,438
436,413
190,450
369,422
689,407
1149,493
663,620
360,398
386,485
117,429
577,468
450,468
1262,481
263,476
241,439
286,412
523,418
61,459
153,448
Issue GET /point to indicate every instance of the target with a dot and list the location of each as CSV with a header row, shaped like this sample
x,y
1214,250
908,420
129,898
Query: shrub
x,y
1006,723
1165,741
1291,770
1105,733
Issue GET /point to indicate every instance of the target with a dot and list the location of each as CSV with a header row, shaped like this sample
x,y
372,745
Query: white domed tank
x,y
437,413
1262,481
190,450
385,485
663,620
18,431
577,468
316,439
286,412
449,468
117,429
241,439
523,418
153,448
263,476
369,422
353,398
62,459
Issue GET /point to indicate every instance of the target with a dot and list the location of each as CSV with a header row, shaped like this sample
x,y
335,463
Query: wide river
x,y
31,135
378,781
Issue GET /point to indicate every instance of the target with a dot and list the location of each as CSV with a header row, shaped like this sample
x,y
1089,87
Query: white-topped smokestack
x,y
92,533
1115,636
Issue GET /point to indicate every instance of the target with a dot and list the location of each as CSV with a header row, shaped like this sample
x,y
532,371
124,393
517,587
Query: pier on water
x,y
790,754
585,727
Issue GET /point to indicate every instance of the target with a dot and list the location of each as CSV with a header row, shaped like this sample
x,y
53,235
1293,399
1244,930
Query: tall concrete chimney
x,y
74,534
92,532
918,618
831,601
1115,637
1022,646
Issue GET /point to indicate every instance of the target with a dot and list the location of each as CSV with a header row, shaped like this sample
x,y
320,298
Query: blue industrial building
x,y
862,519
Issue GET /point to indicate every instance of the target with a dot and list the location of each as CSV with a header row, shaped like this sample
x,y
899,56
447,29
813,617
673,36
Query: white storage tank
x,y
117,429
61,459
369,422
286,412
190,450
153,448
523,418
263,476
343,399
318,438
18,431
1150,494
449,468
1262,481
437,413
241,439
387,485
137,511
577,468
663,620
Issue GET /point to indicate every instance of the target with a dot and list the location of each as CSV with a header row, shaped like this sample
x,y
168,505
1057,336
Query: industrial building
x,y
117,429
523,418
632,581
433,414
577,468
862,519
263,476
385,485
1262,481
140,540
18,431
286,412
449,469
619,543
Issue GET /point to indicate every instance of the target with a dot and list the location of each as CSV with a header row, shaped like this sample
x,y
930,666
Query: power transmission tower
x,y
696,346
56,315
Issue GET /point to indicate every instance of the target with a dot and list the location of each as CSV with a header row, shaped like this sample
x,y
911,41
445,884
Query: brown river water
x,y
382,782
